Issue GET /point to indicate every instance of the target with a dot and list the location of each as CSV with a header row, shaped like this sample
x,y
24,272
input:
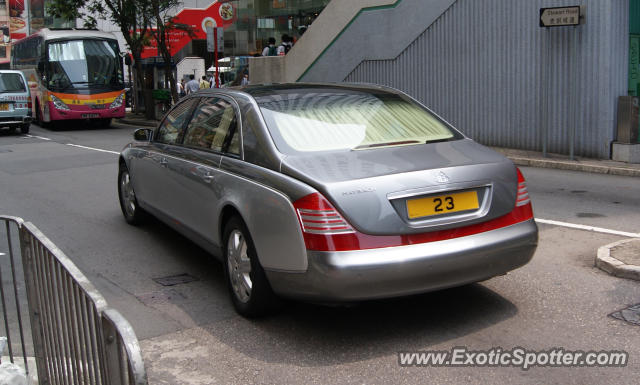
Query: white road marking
x,y
36,136
93,148
539,220
588,228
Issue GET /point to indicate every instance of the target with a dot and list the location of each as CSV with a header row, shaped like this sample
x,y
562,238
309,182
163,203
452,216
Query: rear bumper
x,y
405,270
14,120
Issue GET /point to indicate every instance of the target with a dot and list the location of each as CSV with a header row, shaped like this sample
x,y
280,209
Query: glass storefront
x,y
258,20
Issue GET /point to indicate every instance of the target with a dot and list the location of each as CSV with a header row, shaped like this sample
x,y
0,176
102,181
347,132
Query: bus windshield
x,y
75,64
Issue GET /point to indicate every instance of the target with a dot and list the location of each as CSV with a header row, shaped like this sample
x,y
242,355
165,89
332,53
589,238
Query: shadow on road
x,y
319,335
78,125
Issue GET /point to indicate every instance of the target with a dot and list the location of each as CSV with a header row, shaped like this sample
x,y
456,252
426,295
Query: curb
x,y
560,165
615,267
137,122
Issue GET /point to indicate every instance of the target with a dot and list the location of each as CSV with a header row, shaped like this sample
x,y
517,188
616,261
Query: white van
x,y
15,101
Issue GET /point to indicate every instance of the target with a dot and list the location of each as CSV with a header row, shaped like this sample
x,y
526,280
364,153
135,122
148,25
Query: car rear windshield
x,y
11,83
327,121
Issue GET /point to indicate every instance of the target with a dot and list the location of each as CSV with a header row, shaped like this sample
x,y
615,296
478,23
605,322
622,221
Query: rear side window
x,y
213,123
12,83
171,127
326,121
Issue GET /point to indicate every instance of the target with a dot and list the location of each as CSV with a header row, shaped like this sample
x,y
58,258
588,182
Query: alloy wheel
x,y
239,266
128,196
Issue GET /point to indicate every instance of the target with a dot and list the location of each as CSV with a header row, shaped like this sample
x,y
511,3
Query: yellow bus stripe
x,y
74,99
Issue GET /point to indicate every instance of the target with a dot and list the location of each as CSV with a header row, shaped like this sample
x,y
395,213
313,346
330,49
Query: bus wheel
x,y
104,123
39,120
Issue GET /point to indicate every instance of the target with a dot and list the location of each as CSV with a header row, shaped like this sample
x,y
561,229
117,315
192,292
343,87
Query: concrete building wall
x,y
488,68
366,31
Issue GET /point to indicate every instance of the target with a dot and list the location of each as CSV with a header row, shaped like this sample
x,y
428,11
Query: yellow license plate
x,y
442,204
4,106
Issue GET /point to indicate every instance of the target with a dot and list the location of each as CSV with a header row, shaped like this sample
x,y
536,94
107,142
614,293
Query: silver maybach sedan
x,y
328,193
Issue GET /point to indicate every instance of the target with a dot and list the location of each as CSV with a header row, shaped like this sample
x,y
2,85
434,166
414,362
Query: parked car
x,y
328,193
15,101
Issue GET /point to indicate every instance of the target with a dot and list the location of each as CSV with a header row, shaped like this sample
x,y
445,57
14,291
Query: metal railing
x,y
76,338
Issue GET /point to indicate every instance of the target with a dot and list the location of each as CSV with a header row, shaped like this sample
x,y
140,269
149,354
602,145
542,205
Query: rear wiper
x,y
374,145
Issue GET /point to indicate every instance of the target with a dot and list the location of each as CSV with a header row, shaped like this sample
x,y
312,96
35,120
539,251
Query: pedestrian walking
x,y
204,83
285,46
245,80
183,89
180,89
192,85
270,49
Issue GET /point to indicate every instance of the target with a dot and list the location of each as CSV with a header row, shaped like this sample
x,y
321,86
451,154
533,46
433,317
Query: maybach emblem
x,y
442,177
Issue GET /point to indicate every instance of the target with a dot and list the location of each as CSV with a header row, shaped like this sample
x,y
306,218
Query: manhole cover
x,y
630,315
175,279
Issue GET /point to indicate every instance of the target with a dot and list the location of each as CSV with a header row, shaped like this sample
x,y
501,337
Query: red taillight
x,y
522,198
322,225
324,229
29,104
318,216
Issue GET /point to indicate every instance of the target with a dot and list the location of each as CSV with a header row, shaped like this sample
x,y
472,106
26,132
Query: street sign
x,y
560,16
220,37
210,42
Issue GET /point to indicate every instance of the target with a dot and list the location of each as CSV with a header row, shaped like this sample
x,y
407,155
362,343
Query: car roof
x,y
285,88
48,33
261,91
11,72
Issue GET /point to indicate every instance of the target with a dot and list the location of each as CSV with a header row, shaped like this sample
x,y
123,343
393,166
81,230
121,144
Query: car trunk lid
x,y
395,190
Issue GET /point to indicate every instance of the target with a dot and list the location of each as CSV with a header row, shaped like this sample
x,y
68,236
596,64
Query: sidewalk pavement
x,y
134,119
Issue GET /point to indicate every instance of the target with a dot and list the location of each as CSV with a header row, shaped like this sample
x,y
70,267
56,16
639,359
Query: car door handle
x,y
207,178
164,162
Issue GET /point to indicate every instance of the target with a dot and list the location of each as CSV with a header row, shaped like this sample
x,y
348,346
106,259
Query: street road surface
x,y
191,335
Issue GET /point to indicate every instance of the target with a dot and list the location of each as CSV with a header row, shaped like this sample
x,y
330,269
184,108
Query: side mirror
x,y
143,134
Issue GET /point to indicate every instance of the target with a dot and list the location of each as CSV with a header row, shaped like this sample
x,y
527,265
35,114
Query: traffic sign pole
x,y
215,55
574,99
571,16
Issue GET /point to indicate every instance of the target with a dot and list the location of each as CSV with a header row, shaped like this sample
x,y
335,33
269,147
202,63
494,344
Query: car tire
x,y
12,130
133,213
249,288
24,129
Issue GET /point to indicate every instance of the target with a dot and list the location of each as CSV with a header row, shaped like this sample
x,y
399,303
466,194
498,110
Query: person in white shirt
x,y
179,89
270,49
192,85
286,45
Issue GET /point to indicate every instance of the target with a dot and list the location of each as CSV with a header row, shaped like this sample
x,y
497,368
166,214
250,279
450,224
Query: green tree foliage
x,y
164,24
